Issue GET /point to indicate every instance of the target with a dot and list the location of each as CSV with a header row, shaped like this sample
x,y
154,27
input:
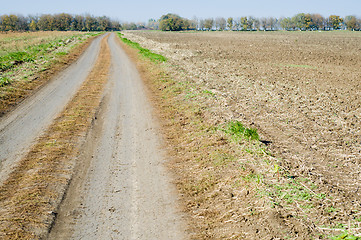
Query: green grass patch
x,y
345,236
154,57
4,81
13,59
239,132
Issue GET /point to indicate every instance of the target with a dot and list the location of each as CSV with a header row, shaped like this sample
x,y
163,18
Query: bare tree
x,y
263,23
220,23
201,24
208,23
256,24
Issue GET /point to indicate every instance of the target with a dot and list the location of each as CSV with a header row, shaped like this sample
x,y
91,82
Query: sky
x,y
142,10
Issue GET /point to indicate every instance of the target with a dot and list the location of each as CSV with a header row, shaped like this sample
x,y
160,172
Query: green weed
x,y
238,131
156,58
4,81
345,236
12,59
209,93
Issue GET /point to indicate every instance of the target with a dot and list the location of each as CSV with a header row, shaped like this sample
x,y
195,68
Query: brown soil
x,y
301,91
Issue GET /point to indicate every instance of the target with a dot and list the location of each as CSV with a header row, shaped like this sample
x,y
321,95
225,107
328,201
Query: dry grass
x,y
30,196
18,90
18,41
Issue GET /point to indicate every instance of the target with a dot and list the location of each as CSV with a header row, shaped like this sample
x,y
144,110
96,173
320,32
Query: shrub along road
x,y
120,188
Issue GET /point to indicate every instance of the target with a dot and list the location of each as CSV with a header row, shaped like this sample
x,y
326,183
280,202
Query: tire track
x,y
20,128
122,189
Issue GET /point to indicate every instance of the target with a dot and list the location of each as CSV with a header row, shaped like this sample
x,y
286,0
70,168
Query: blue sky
x,y
141,10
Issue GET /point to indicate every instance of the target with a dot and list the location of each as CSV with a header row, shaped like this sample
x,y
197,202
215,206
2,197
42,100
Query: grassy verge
x,y
146,53
25,67
232,186
30,196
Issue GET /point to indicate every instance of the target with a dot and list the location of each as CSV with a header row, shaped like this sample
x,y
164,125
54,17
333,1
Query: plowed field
x,y
302,91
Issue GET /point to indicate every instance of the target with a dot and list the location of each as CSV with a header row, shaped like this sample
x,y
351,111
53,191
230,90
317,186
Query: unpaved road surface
x,y
21,127
121,189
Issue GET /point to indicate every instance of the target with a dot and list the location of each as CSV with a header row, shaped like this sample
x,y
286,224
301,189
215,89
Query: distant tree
x,y
308,21
286,24
130,26
78,23
230,23
33,26
299,21
257,24
22,23
91,23
335,21
201,24
351,22
153,24
244,23
237,23
208,23
62,22
318,21
250,22
173,22
193,23
46,23
221,23
116,26
9,22
104,23
263,23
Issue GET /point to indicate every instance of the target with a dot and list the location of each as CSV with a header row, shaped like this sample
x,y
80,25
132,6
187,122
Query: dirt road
x,y
121,189
21,127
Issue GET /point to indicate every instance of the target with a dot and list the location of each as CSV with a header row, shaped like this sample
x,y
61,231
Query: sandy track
x,y
121,189
21,127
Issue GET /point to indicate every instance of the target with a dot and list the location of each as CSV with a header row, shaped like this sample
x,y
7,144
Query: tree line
x,y
301,21
57,22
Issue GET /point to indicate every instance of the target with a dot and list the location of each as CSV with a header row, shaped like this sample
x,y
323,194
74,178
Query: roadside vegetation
x,y
28,59
233,185
146,53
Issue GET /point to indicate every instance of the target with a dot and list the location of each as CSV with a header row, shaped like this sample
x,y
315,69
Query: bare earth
x,y
301,90
121,189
